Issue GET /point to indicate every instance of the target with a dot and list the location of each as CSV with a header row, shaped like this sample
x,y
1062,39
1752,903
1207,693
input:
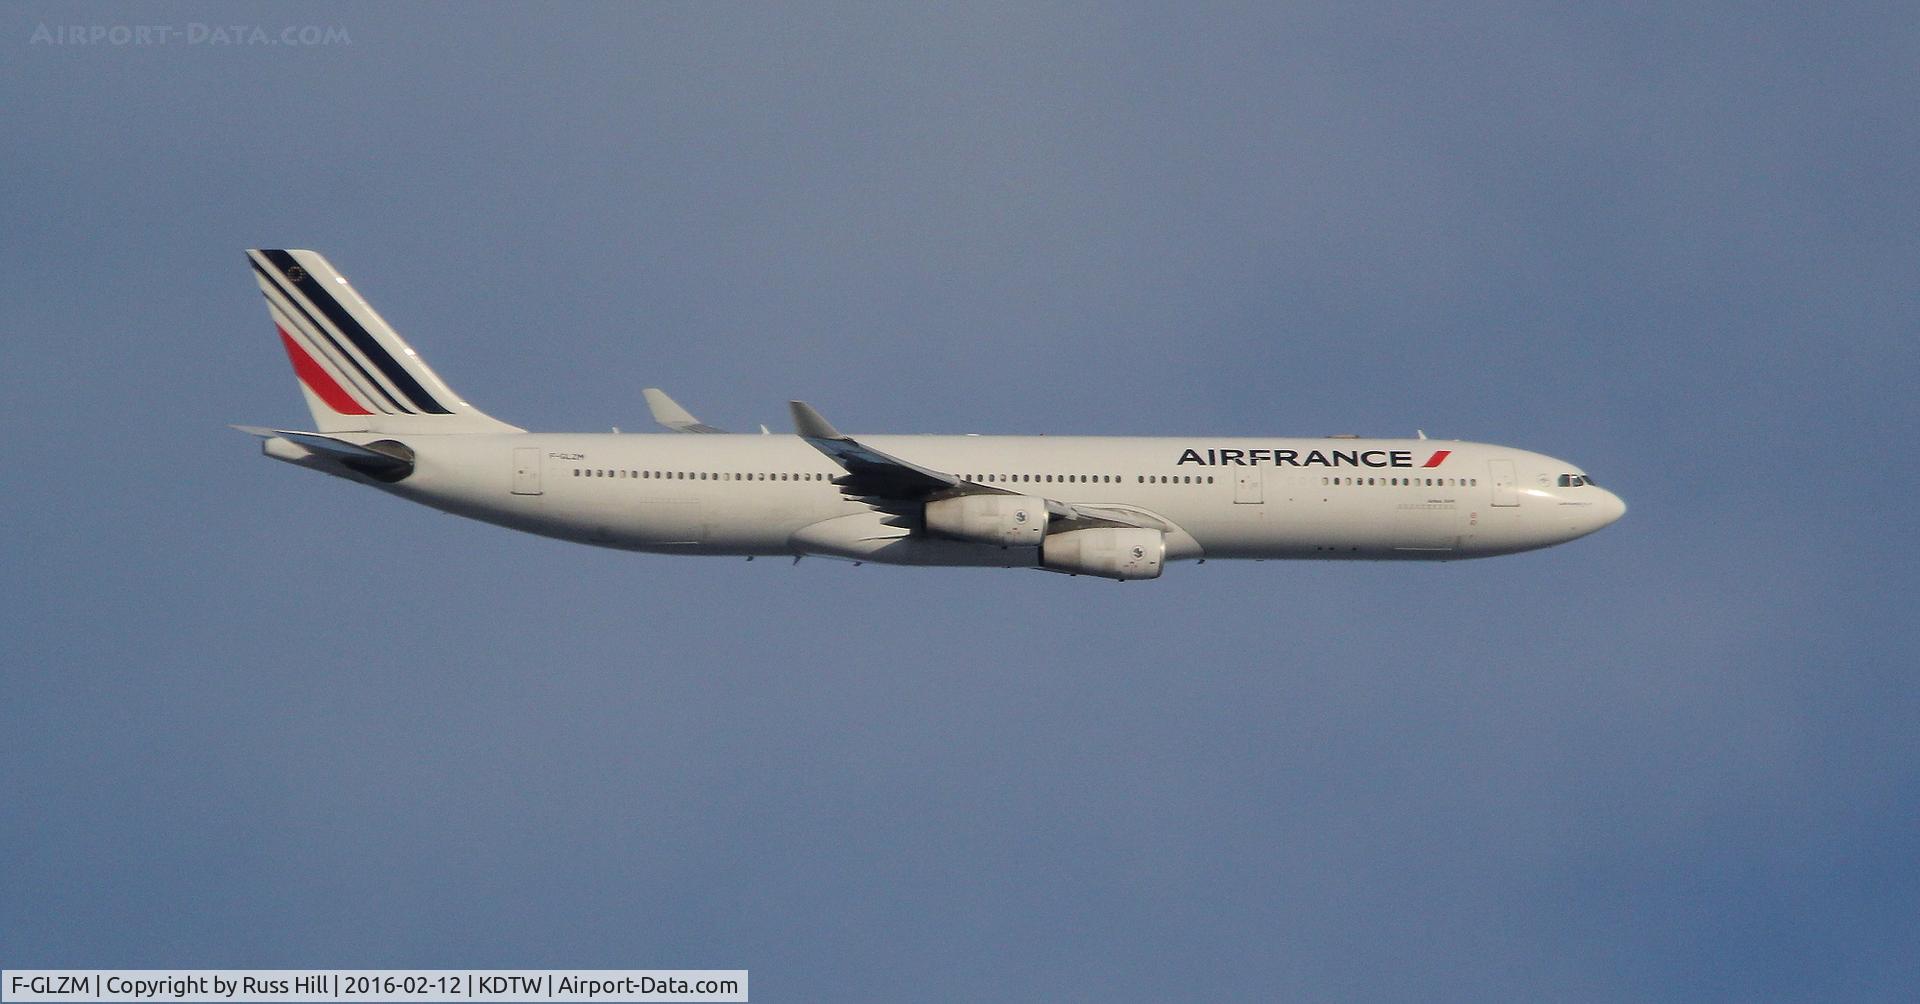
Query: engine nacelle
x,y
1111,552
1006,520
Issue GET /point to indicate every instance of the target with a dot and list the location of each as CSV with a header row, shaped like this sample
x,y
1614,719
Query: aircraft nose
x,y
1611,509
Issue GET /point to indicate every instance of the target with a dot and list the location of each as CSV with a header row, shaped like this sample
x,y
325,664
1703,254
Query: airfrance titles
x,y
1307,458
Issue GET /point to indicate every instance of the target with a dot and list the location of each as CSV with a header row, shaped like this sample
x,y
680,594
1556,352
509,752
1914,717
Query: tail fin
x,y
357,373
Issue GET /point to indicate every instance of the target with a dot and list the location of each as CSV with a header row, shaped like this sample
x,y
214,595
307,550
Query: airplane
x,y
1112,507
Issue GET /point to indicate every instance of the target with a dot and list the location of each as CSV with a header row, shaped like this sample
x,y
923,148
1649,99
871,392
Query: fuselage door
x,y
1246,485
1504,492
526,470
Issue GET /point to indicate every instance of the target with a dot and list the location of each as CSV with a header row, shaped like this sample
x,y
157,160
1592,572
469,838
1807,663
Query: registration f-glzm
x,y
1107,506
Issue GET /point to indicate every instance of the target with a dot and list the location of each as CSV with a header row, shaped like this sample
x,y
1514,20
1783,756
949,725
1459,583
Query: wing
x,y
668,412
892,485
871,475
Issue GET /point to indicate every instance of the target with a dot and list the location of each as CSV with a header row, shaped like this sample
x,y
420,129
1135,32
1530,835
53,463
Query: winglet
x,y
809,424
668,412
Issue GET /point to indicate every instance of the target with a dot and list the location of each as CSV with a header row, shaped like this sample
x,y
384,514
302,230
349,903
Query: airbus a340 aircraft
x,y
1107,506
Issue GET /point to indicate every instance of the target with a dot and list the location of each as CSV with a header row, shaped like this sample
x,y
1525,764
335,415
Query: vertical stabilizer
x,y
357,373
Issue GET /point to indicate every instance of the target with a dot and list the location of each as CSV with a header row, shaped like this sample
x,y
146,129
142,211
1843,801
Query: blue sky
x,y
258,718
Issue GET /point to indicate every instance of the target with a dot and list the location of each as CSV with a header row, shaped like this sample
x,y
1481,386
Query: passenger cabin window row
x,y
1070,479
1566,480
599,472
1404,482
1084,479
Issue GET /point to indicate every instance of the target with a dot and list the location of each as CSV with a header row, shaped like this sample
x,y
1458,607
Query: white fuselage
x,y
1112,507
1215,498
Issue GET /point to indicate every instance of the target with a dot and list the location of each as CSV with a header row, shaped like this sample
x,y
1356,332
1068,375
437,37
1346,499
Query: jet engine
x,y
1111,552
1006,520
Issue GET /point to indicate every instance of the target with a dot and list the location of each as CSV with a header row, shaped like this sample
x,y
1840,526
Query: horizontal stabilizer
x,y
384,460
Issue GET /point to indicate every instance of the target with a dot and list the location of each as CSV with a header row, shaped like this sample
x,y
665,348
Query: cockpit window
x,y
1574,480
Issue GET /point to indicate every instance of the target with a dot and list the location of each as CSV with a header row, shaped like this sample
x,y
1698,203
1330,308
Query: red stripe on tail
x,y
317,380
